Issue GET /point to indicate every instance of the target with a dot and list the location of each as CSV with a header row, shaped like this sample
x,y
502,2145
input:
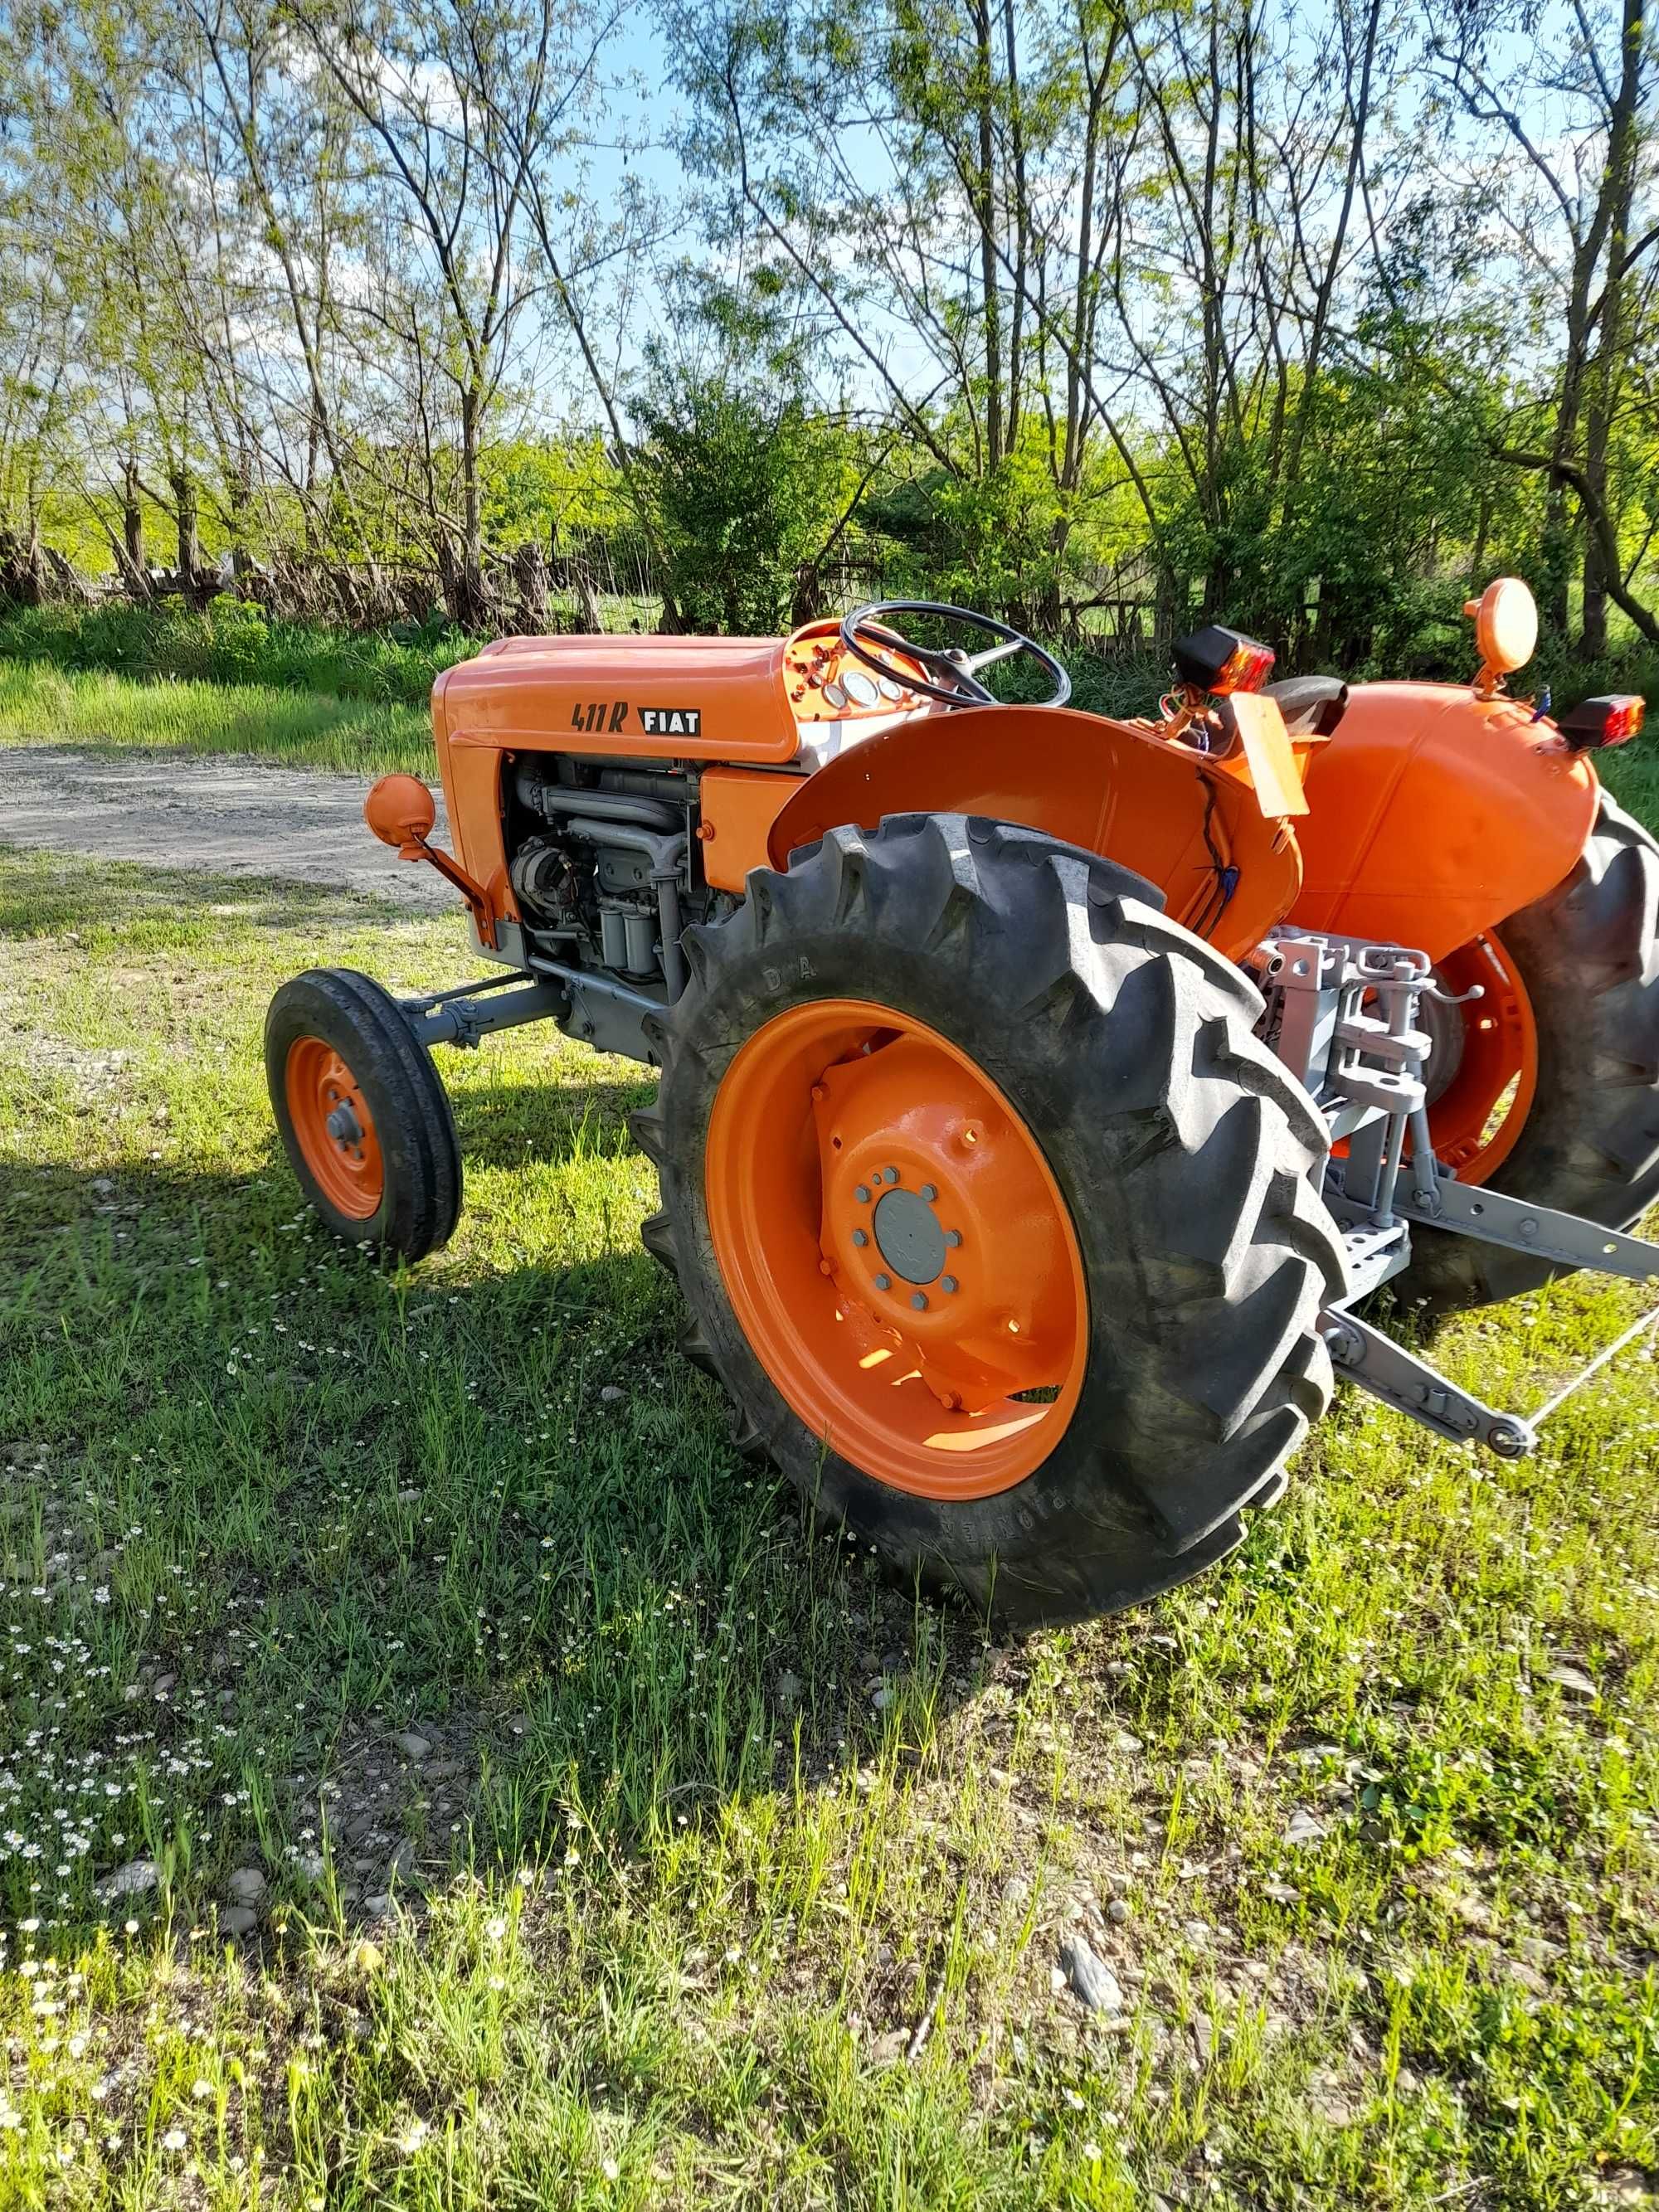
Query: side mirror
x,y
1505,617
401,811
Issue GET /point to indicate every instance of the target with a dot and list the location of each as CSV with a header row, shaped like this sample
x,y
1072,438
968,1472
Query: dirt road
x,y
230,814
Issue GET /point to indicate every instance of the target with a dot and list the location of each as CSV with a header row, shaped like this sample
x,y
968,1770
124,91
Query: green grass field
x,y
607,1837
43,705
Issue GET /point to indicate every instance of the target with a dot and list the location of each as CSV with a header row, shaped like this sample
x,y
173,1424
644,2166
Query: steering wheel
x,y
956,682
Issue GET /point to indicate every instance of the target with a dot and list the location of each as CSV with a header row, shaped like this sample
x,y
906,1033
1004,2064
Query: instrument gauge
x,y
859,688
834,695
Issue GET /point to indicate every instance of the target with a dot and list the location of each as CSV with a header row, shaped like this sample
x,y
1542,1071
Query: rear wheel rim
x,y
1477,1120
334,1129
897,1250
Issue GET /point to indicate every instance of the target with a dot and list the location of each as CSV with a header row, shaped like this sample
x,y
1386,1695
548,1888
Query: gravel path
x,y
229,813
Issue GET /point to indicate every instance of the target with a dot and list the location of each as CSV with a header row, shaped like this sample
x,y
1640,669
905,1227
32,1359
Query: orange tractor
x,y
1042,1096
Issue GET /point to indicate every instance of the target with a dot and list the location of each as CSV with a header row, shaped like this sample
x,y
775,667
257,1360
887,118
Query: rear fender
x,y
1115,788
1434,814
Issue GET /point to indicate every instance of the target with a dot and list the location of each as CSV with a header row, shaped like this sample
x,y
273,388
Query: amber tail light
x,y
1219,660
1612,720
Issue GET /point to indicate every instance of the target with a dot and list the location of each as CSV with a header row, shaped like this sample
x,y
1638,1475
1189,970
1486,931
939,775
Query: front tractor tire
x,y
996,1221
364,1117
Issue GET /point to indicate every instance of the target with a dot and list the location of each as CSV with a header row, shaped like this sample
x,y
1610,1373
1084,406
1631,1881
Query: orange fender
x,y
1434,814
1115,788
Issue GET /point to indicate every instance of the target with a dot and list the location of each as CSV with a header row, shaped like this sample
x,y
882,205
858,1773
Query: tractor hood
x,y
772,700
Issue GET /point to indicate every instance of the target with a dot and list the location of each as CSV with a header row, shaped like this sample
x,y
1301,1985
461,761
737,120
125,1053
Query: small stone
x,y
1572,1679
1334,2103
1529,1977
1117,1912
1204,2037
1304,1826
1092,1978
611,1395
102,1185
412,1746
237,1920
883,1697
1017,1893
402,1864
377,1906
1280,1892
246,1886
1626,2184
1472,1912
136,1879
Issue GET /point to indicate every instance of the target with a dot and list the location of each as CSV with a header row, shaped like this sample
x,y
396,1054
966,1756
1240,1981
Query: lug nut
x,y
859,1237
890,1175
949,1285
919,1301
862,1194
930,1192
953,1237
883,1282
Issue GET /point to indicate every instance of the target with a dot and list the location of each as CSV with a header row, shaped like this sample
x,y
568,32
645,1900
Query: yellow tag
x,y
1267,750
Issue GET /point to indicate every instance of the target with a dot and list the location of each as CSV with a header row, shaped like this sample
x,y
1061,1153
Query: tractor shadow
x,y
503,1124
665,1629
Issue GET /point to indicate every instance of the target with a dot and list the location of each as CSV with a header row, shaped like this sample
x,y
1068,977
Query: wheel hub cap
x,y
908,1236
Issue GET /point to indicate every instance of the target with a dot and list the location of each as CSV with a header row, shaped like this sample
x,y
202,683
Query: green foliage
x,y
234,642
533,491
744,495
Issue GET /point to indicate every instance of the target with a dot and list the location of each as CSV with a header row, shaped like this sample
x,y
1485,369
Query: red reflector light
x,y
1246,669
1218,661
1612,720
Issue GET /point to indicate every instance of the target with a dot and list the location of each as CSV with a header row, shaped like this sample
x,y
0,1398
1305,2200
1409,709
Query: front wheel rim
x,y
897,1250
334,1129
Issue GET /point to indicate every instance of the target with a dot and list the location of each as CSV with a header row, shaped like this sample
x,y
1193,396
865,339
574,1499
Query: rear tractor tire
x,y
363,1113
1583,1136
1000,1226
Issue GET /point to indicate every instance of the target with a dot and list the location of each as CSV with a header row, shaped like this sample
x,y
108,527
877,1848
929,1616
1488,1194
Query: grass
x,y
719,1872
233,642
43,705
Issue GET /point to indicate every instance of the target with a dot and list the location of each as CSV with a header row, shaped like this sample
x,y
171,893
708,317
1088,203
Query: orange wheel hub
x,y
334,1129
896,1250
1477,1118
